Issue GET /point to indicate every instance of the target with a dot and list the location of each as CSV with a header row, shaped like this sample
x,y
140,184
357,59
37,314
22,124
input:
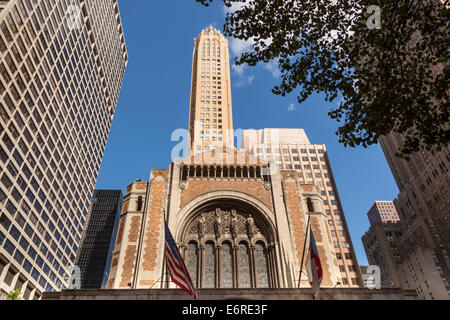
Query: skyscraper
x,y
380,241
210,117
61,68
97,244
290,149
423,206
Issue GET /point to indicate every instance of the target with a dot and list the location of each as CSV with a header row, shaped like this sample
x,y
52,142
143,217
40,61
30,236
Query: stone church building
x,y
239,220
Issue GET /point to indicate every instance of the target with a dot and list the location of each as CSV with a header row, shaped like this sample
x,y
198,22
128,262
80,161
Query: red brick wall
x,y
251,187
154,220
296,217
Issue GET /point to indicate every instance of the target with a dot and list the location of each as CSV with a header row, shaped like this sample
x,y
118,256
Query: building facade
x,y
380,241
61,67
423,205
383,211
290,149
210,116
97,242
238,219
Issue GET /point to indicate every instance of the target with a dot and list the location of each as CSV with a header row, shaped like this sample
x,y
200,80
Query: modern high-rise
x,y
210,116
290,149
61,68
423,205
97,242
380,241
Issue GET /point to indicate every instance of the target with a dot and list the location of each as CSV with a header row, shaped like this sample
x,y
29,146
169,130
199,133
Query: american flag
x,y
176,266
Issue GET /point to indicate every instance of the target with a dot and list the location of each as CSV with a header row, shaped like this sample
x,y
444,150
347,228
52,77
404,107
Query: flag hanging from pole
x,y
313,264
175,264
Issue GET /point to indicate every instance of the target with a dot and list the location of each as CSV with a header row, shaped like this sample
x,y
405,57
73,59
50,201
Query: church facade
x,y
240,221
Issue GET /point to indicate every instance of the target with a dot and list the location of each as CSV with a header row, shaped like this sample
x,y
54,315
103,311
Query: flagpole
x,y
304,248
164,270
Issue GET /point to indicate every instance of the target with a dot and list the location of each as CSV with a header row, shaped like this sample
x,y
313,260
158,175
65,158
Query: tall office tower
x,y
382,211
97,242
423,205
380,241
210,116
290,149
61,68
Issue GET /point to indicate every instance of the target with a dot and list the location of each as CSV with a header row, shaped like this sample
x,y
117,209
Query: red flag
x,y
313,264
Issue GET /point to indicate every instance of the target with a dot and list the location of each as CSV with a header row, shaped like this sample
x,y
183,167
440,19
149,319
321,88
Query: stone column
x,y
252,265
201,258
235,266
218,266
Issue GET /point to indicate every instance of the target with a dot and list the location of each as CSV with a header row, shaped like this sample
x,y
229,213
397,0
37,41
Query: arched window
x,y
226,265
139,204
310,205
262,278
192,261
245,172
244,266
226,247
210,266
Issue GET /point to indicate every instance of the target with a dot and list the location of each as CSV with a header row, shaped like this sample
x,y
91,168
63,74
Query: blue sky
x,y
154,101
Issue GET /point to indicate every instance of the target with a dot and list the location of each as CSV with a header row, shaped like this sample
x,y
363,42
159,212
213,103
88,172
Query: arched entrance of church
x,y
227,243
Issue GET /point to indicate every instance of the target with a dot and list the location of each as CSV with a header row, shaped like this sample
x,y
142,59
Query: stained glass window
x,y
244,266
192,261
227,266
210,272
262,279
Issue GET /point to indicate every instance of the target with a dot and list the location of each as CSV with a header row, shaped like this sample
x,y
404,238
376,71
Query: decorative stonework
x,y
135,225
295,214
154,219
120,232
239,227
147,282
198,187
140,185
325,266
128,266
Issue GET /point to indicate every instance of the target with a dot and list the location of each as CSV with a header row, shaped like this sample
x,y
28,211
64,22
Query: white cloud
x,y
272,67
238,46
291,107
239,70
244,81
235,6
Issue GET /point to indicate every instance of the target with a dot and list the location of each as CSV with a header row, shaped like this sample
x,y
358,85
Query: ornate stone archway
x,y
228,243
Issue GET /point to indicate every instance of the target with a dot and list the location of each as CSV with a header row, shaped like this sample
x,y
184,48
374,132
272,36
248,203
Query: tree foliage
x,y
392,79
14,295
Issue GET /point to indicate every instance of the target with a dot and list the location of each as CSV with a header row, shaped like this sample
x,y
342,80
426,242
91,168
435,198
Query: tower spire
x,y
210,117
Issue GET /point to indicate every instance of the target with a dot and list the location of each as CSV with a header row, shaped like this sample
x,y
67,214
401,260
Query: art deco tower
x,y
210,117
